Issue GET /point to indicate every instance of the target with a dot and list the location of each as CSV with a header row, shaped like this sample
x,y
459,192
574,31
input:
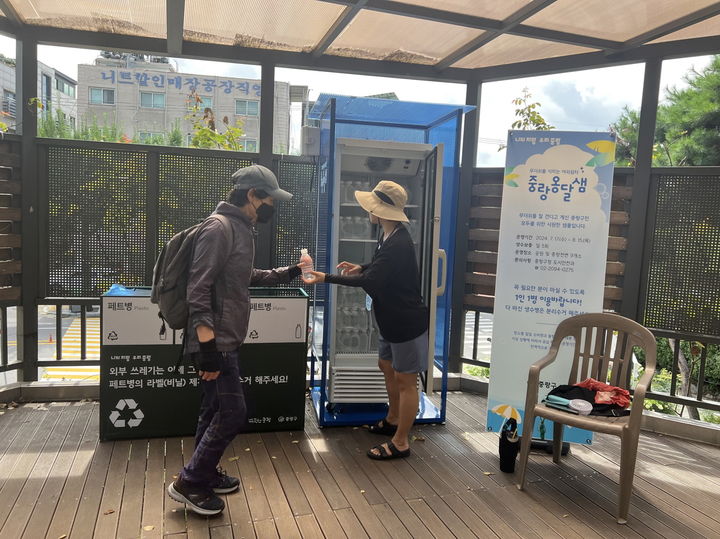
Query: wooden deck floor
x,y
57,481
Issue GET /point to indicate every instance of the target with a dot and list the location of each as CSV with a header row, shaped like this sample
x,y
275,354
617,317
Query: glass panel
x,y
624,20
355,329
134,17
379,36
108,97
508,49
589,100
686,132
247,108
492,9
251,146
294,25
146,99
96,96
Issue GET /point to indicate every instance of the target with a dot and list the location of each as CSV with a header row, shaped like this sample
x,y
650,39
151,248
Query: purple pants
x,y
222,415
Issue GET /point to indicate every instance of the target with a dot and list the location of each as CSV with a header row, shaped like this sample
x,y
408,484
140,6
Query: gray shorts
x,y
407,357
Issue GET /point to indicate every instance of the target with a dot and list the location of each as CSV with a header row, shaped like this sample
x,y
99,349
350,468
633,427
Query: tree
x,y
205,129
687,134
687,129
528,115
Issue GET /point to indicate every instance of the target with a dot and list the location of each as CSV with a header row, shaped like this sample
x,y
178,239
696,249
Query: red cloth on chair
x,y
607,394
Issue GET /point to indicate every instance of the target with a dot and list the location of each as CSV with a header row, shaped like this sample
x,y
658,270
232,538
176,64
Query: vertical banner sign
x,y
551,261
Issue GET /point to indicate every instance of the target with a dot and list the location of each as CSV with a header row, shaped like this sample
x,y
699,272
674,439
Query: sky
x,y
580,101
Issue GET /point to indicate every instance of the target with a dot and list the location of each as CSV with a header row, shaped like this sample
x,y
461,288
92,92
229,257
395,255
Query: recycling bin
x,y
148,389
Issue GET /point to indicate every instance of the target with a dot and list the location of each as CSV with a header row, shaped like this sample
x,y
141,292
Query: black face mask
x,y
264,213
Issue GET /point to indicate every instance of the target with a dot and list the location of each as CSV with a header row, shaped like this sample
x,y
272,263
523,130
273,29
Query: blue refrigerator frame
x,y
400,121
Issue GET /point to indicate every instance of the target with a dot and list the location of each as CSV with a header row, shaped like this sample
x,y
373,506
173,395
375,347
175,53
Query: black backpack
x,y
170,274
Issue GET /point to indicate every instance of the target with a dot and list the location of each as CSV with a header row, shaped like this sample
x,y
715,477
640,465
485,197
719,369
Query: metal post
x,y
152,223
462,223
27,324
266,233
632,292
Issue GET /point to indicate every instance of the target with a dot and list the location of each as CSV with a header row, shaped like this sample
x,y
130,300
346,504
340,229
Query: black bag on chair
x,y
509,446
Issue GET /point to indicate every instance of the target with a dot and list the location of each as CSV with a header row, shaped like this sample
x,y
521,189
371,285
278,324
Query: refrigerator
x,y
349,331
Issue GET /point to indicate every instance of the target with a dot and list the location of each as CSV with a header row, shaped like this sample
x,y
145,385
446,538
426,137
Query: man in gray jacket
x,y
219,304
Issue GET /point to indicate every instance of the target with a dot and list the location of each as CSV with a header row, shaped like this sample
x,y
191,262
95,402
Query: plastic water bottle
x,y
307,263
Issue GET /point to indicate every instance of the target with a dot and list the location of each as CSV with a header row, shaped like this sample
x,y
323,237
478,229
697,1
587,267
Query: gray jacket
x,y
220,274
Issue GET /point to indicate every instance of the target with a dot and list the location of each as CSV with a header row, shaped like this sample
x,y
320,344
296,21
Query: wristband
x,y
208,346
294,271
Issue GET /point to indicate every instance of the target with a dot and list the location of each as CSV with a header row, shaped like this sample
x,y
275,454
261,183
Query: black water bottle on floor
x,y
509,445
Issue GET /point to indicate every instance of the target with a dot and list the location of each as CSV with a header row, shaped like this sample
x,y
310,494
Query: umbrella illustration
x,y
507,411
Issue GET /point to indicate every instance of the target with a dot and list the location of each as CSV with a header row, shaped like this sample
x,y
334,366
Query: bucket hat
x,y
386,201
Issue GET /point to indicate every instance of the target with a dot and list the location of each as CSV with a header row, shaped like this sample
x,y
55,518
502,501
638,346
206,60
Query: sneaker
x,y
202,501
224,483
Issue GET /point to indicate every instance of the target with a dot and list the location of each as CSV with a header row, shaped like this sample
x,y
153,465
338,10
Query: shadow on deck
x,y
57,480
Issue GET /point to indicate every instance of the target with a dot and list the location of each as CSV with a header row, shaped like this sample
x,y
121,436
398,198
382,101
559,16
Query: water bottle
x,y
307,263
346,227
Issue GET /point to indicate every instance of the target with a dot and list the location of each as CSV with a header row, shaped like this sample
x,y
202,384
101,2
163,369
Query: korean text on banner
x,y
551,260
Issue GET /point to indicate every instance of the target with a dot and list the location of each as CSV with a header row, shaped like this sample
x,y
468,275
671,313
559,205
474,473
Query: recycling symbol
x,y
113,336
131,405
253,334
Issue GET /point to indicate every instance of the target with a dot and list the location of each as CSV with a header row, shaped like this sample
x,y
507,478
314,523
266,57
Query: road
x,y
47,340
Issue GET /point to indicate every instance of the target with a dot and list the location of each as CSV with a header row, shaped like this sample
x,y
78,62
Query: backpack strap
x,y
227,226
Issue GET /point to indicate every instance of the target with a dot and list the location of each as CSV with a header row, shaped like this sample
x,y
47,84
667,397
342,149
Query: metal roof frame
x,y
612,52
609,52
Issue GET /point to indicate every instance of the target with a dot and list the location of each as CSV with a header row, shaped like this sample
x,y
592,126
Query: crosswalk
x,y
71,350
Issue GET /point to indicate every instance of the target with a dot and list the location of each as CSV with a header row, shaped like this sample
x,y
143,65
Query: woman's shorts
x,y
407,357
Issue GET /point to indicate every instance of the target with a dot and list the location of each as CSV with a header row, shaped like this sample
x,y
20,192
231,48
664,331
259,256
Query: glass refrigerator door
x,y
354,334
357,240
432,255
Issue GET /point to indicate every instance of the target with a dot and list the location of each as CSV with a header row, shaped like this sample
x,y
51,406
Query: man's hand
x,y
209,376
315,277
348,268
210,360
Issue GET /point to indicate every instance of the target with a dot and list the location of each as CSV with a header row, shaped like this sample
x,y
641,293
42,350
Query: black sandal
x,y
383,427
391,452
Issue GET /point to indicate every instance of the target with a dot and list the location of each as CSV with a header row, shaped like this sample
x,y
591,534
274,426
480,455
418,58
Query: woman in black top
x,y
392,280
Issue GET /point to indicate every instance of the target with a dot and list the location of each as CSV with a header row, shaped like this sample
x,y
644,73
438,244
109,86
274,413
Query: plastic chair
x,y
596,357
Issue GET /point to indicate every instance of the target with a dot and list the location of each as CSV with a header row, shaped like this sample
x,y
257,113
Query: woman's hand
x,y
315,277
348,268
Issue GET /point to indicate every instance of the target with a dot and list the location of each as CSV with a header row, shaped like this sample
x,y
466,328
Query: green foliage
x,y
692,351
175,136
7,60
57,125
661,384
688,124
710,417
528,114
54,126
204,135
205,129
626,129
474,370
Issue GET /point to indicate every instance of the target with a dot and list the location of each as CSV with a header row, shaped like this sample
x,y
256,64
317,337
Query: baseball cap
x,y
260,177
